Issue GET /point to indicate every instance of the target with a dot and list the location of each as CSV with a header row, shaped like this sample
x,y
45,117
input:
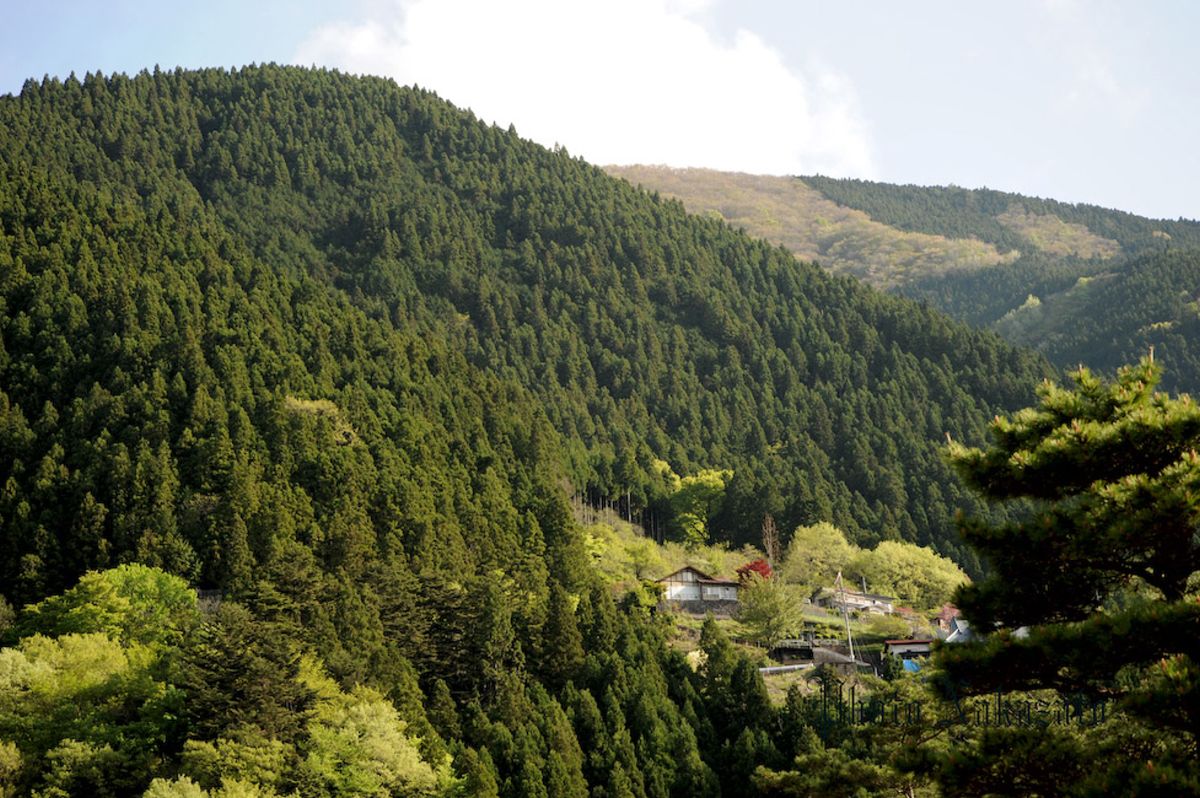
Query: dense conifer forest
x,y
340,356
193,260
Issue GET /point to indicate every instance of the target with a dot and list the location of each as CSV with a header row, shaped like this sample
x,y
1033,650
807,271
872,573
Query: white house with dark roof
x,y
835,598
690,584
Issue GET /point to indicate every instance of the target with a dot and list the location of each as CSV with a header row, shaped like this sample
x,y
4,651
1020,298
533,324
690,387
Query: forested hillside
x,y
193,378
339,355
988,215
1031,269
1093,285
788,211
302,301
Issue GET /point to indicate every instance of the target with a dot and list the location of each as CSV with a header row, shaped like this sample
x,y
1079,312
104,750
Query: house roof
x,y
703,578
833,591
947,612
907,642
960,631
828,656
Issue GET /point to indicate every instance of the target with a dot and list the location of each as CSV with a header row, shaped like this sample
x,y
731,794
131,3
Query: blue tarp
x,y
912,666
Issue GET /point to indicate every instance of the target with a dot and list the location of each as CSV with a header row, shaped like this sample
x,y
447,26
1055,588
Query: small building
x,y
960,631
690,584
833,598
793,650
908,649
944,618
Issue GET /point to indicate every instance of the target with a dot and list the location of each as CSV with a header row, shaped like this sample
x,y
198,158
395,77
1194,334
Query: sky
x,y
1076,100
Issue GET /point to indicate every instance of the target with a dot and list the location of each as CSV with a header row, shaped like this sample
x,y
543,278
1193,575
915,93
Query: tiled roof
x,y
704,579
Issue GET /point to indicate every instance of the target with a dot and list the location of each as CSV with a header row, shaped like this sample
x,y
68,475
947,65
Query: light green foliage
x,y
50,670
183,787
76,767
80,686
914,574
1051,234
86,710
784,210
341,433
816,554
697,499
769,610
131,603
357,747
10,768
888,626
624,557
665,478
246,755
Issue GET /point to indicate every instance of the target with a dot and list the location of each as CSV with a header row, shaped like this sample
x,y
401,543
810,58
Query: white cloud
x,y
616,81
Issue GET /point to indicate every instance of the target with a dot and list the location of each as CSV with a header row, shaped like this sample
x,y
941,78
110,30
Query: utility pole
x,y
845,613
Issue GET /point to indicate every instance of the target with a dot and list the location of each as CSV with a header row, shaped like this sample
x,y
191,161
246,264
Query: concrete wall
x,y
701,607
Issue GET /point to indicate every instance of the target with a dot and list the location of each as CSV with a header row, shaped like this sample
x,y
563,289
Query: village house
x,y
960,631
692,589
943,619
908,649
833,598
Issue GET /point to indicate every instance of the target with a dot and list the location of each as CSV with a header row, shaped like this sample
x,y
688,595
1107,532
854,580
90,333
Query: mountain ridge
x,y
1032,293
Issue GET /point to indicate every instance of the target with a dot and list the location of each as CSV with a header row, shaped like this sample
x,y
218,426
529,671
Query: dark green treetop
x,y
1099,573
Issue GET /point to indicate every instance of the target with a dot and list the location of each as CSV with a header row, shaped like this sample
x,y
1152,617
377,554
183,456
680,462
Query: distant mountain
x,y
789,211
1080,283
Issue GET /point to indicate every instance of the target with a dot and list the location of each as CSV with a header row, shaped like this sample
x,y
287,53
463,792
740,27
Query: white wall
x,y
679,591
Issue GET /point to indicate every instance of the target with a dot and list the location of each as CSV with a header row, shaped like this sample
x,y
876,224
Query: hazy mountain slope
x,y
788,212
943,245
979,213
1151,302
1105,285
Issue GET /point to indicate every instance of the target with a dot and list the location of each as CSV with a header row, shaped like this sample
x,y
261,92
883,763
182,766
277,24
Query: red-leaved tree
x,y
759,566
